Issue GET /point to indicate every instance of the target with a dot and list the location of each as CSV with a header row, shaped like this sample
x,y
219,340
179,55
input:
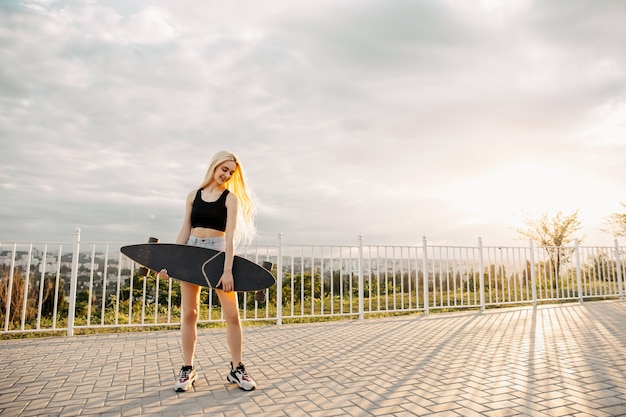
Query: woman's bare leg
x,y
190,295
234,336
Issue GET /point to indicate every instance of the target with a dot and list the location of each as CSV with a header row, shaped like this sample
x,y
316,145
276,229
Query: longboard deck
x,y
200,266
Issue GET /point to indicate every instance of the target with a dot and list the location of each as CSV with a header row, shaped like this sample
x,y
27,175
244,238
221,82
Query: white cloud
x,y
608,126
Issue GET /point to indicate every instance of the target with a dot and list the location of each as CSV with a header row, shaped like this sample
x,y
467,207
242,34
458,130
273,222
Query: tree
x,y
557,231
617,224
47,303
553,234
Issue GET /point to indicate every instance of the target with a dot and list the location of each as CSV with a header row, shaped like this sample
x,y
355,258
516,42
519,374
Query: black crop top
x,y
209,215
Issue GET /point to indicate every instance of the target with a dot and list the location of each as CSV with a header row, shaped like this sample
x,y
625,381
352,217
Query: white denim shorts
x,y
216,243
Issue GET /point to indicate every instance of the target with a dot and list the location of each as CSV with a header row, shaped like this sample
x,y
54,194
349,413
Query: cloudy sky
x,y
394,119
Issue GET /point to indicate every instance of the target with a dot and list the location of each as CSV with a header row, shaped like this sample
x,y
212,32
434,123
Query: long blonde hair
x,y
245,230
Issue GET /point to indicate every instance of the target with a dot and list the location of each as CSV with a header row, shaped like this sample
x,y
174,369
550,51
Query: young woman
x,y
218,215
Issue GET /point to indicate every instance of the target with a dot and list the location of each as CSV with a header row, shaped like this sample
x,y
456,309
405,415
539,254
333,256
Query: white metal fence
x,y
84,285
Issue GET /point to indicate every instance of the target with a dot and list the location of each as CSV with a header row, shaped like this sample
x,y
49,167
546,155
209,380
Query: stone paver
x,y
565,360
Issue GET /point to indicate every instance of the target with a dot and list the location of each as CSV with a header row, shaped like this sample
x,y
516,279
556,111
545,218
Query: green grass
x,y
335,309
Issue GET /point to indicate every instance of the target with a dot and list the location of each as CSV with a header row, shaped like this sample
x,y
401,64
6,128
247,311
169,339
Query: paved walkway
x,y
567,360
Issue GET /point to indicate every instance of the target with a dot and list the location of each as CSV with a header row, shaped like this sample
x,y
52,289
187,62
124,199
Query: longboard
x,y
200,266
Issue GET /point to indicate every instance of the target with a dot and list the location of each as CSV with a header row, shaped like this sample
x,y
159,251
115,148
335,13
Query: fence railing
x,y
66,287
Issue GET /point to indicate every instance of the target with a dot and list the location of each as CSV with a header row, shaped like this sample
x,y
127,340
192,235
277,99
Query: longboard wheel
x,y
143,271
259,296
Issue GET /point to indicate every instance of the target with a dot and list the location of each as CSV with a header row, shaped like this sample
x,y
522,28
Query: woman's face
x,y
224,172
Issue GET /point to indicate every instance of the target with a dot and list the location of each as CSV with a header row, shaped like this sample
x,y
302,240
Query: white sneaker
x,y
186,379
240,377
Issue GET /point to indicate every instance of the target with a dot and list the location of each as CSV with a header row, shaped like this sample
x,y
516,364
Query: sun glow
x,y
506,194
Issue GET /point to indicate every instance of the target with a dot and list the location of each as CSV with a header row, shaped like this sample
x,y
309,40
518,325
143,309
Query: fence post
x,y
279,282
361,281
10,289
26,284
579,279
73,284
481,274
425,276
618,265
533,278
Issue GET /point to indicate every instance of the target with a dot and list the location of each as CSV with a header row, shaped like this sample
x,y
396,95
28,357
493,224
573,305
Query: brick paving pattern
x,y
565,360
